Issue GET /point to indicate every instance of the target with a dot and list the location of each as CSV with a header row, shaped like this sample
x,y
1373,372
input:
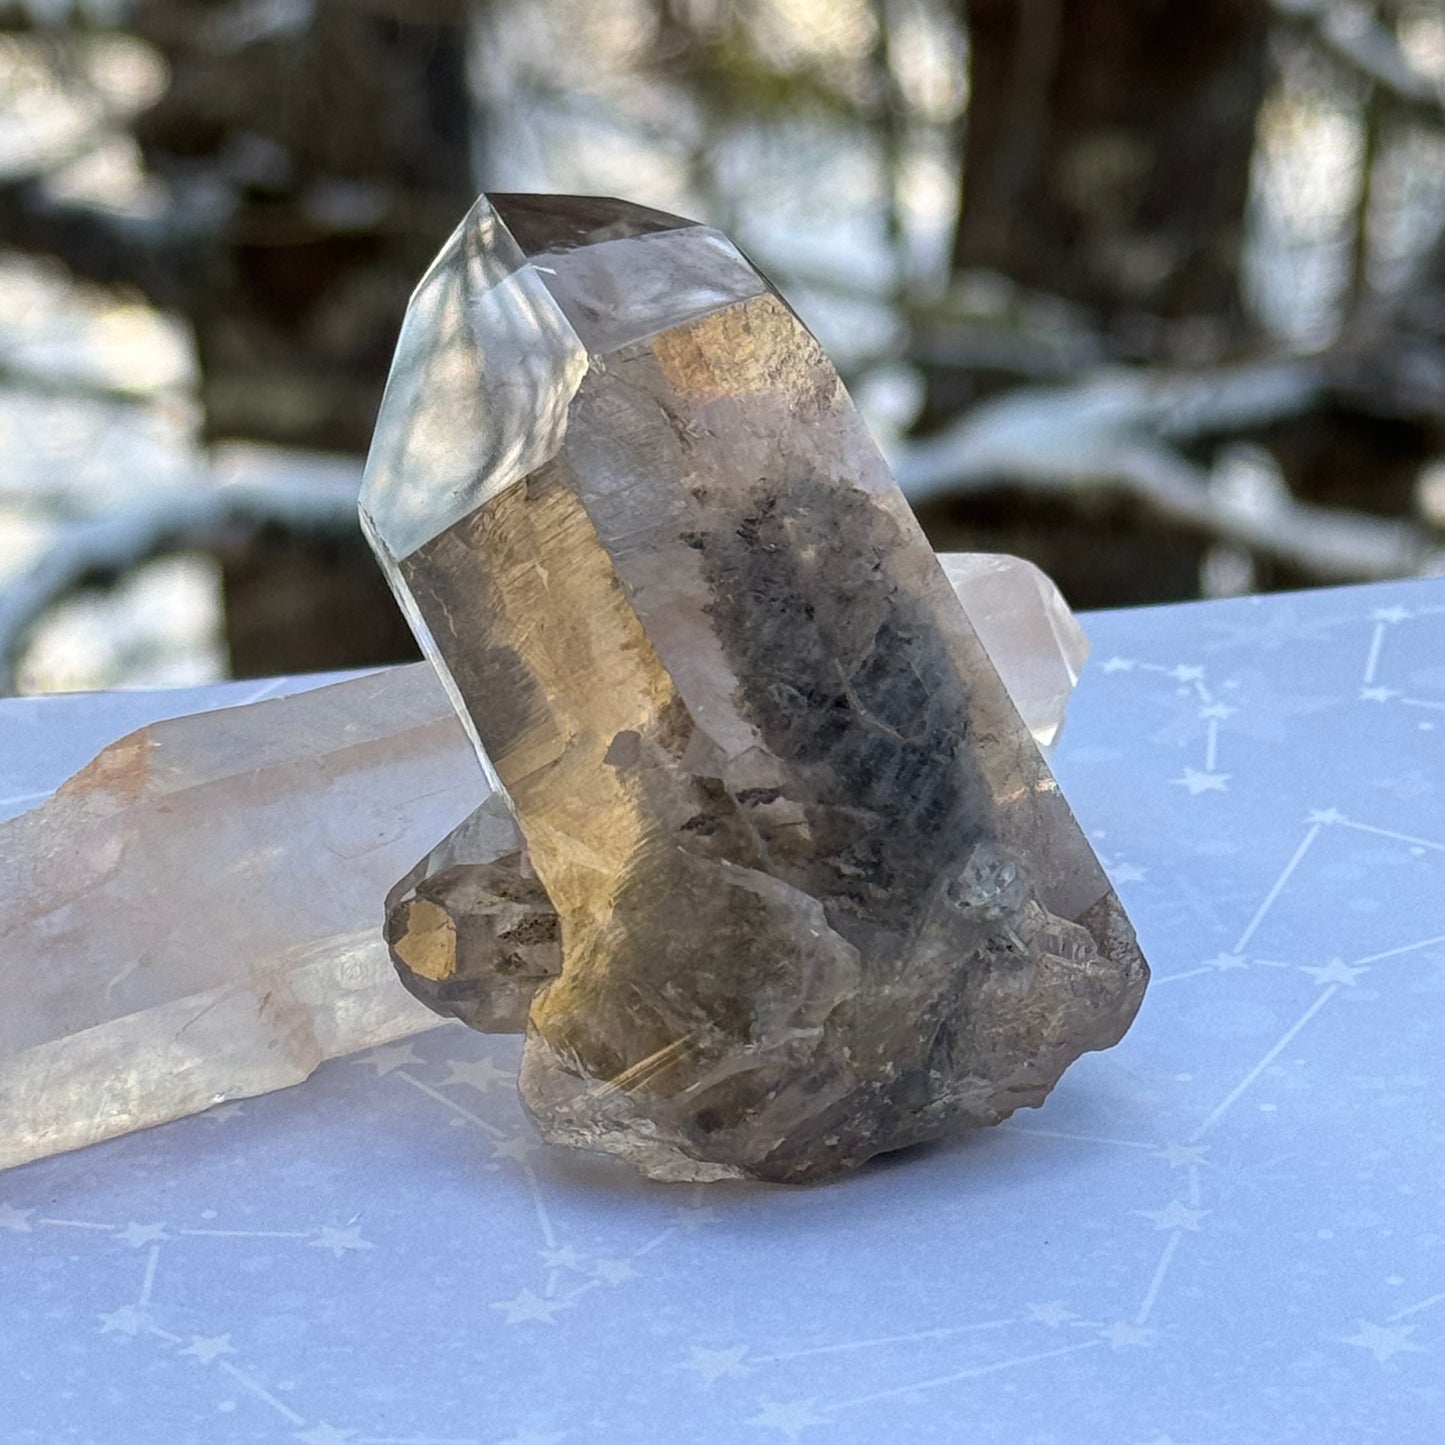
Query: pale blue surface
x,y
1228,1229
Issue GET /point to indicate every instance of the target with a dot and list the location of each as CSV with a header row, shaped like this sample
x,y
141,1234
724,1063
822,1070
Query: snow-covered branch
x,y
1117,434
101,550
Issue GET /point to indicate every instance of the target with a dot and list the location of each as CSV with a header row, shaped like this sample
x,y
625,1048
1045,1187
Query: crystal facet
x,y
819,894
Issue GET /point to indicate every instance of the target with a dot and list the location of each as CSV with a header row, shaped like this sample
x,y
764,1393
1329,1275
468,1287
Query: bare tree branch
x,y
160,255
68,386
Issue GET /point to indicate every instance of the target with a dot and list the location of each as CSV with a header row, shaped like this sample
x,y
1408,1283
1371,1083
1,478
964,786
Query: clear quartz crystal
x,y
1027,630
818,893
195,916
206,893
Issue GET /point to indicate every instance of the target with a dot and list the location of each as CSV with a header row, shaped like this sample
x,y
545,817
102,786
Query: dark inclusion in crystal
x,y
816,893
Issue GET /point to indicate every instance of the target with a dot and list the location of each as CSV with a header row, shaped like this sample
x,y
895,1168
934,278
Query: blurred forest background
x,y
1150,291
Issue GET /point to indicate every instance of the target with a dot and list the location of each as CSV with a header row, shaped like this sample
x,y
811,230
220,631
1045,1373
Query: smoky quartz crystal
x,y
799,887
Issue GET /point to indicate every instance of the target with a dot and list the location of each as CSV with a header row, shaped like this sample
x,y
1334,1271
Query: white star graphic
x,y
138,1234
1053,1314
481,1074
714,1364
339,1241
1390,614
1224,962
1176,1215
614,1271
15,1219
1198,782
1122,1335
387,1060
206,1348
530,1307
1120,664
127,1320
1219,710
1186,673
1335,971
518,1148
1378,694
1326,816
564,1258
792,1417
1180,1155
1385,1341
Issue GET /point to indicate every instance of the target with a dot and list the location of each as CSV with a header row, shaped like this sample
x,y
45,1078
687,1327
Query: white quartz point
x,y
1026,627
196,915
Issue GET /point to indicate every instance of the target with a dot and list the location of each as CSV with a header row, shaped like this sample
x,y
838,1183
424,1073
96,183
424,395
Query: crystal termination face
x,y
818,895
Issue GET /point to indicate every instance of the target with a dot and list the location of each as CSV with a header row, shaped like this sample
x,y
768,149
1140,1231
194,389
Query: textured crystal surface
x,y
819,894
472,931
193,917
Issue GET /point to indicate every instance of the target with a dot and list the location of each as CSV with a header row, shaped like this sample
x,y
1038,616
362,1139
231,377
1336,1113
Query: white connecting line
x,y
1151,1295
1329,817
1372,660
976,1372
946,1332
1277,888
1405,1314
485,1125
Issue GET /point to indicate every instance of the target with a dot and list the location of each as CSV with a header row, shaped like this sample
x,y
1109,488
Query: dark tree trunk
x,y
335,159
1106,165
295,604
1108,154
332,161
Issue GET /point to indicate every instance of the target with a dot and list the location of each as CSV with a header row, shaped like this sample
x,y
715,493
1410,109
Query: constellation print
x,y
388,1255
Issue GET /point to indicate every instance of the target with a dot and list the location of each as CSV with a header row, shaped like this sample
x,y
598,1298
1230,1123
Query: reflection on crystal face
x,y
819,896
486,367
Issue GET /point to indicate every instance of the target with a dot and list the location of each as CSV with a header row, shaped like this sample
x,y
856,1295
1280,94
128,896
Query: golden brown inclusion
x,y
817,894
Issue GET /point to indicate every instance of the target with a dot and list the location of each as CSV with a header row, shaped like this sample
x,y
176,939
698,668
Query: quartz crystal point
x,y
819,894
193,916
206,891
1034,642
